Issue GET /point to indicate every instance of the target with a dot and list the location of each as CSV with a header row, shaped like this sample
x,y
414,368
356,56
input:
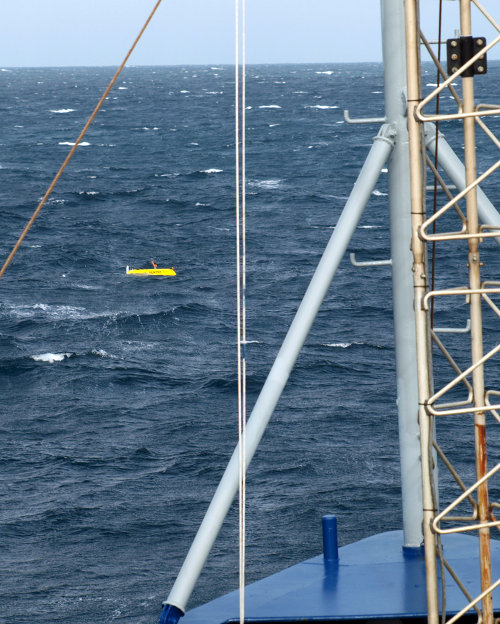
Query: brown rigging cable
x,y
77,142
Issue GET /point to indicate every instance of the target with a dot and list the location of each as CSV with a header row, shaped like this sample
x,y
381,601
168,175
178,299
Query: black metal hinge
x,y
462,49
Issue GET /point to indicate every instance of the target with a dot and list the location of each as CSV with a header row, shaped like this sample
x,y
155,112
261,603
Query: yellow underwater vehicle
x,y
152,271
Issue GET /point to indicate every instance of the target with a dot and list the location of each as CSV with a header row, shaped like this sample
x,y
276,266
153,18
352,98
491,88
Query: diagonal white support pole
x,y
282,367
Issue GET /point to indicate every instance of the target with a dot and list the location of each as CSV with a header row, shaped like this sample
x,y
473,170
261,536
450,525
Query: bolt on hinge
x,y
462,49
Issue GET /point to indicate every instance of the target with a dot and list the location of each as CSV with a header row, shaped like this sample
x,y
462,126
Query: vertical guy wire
x,y
240,140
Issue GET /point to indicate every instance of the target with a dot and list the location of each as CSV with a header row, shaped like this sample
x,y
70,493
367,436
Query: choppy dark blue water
x,y
118,394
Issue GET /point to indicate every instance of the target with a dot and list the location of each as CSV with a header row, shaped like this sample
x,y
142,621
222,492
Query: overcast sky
x,y
99,32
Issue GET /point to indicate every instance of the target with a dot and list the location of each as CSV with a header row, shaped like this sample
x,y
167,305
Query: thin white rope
x,y
240,145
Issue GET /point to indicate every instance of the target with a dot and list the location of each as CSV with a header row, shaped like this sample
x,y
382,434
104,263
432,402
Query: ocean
x,y
119,393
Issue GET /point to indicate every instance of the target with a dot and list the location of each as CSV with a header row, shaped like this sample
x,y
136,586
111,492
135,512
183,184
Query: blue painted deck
x,y
372,579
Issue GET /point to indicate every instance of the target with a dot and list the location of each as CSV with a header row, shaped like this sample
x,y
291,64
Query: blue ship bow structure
x,y
372,579
441,565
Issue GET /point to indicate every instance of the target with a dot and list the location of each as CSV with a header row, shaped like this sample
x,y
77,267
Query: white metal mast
x,y
394,56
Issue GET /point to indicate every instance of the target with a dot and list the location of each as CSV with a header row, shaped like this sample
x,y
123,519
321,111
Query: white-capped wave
x,y
84,286
379,193
83,143
327,73
54,201
211,171
338,345
320,106
57,312
266,184
50,358
270,106
100,353
60,111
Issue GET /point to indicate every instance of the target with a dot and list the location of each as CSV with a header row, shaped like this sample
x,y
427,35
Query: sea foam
x,y
83,143
50,358
320,106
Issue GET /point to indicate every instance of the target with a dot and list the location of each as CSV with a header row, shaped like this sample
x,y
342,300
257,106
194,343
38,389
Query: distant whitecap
x,y
50,358
211,171
267,184
83,143
327,73
320,106
338,345
379,193
44,310
270,106
99,352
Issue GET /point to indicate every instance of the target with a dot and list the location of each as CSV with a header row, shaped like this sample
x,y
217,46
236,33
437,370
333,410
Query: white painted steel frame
x,y
422,321
467,181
